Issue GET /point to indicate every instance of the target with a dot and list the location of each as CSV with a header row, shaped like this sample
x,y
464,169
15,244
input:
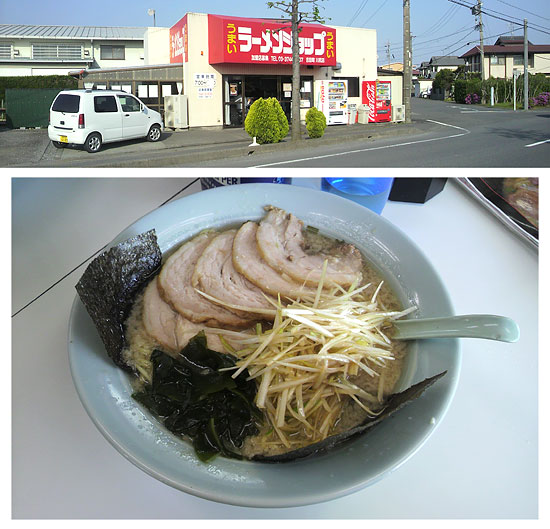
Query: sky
x,y
439,27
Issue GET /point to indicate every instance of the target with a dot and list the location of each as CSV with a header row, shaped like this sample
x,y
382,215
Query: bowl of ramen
x,y
236,344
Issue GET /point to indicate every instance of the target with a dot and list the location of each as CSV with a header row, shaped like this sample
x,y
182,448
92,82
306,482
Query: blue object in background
x,y
369,192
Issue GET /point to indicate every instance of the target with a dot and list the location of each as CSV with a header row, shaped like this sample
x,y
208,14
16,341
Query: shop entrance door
x,y
240,91
233,102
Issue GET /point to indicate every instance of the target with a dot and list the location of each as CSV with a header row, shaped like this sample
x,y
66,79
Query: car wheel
x,y
93,142
58,144
154,133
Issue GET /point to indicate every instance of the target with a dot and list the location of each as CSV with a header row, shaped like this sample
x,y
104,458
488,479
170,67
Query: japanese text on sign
x,y
247,40
179,41
205,80
275,43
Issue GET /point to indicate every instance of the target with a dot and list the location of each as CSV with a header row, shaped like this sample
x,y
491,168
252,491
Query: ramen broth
x,y
140,346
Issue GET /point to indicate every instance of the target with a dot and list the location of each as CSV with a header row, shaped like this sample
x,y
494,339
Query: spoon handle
x,y
484,326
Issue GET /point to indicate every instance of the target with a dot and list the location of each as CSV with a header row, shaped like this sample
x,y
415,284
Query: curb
x,y
169,158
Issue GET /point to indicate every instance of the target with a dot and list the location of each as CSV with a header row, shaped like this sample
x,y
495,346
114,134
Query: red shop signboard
x,y
257,41
179,41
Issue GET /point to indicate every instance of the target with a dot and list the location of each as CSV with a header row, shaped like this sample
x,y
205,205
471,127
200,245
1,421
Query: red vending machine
x,y
377,95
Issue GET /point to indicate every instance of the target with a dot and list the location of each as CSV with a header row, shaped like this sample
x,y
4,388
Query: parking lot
x,y
32,147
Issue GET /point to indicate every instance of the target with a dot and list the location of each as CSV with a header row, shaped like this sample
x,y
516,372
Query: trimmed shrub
x,y
281,116
316,123
266,121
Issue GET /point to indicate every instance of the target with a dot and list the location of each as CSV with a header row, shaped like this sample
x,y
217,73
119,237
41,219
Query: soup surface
x,y
376,383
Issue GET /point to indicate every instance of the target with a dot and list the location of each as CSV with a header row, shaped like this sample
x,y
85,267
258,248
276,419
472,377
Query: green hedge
x,y
503,88
463,87
60,82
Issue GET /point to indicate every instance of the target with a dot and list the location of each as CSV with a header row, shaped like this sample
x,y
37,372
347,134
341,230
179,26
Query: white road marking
x,y
447,125
538,143
466,131
464,110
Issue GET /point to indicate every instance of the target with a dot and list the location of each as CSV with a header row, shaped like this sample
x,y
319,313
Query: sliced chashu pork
x,y
216,276
248,261
175,287
281,245
170,329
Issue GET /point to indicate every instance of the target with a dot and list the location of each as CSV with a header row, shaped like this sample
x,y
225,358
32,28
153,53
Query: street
x,y
441,135
453,136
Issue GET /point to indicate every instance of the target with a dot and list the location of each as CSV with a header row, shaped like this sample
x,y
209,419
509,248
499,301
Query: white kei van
x,y
93,117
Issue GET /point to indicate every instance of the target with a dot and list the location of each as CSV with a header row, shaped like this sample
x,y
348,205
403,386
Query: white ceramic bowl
x,y
105,390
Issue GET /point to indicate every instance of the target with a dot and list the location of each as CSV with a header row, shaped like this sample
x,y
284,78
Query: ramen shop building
x,y
228,62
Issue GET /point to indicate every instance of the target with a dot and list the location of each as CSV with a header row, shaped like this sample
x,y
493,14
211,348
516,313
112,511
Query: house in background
x,y
56,50
394,67
506,55
423,69
429,69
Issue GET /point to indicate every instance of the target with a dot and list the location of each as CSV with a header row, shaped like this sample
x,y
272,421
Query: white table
x,y
482,461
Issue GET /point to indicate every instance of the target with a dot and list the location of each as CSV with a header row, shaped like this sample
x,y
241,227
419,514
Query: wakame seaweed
x,y
193,398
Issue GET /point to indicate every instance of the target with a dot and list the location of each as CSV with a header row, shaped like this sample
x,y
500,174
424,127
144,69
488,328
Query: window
x,y
112,53
67,103
353,85
56,51
5,50
129,104
518,60
498,59
105,104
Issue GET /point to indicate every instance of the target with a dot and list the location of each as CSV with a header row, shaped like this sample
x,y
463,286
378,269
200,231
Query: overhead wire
x,y
521,9
375,13
358,12
439,24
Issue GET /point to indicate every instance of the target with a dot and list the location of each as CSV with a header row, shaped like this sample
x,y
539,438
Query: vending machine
x,y
332,100
377,95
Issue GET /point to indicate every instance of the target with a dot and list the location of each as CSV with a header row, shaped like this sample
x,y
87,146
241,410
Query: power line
x,y
521,9
358,12
421,43
486,11
373,15
439,24
447,47
531,24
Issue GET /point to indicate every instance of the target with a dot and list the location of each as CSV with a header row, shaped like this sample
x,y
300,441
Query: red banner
x,y
257,41
179,41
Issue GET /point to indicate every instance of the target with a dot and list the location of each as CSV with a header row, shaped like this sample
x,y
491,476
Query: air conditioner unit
x,y
175,112
398,112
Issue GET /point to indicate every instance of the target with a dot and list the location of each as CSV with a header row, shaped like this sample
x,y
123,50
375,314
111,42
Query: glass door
x,y
233,102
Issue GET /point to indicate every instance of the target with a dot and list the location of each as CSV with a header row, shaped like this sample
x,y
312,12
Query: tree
x,y
444,79
297,17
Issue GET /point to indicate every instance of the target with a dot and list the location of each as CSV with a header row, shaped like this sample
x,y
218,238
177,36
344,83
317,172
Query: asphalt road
x,y
441,135
450,135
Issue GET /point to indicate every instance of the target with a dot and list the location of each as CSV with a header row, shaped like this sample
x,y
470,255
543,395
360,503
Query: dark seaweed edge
x,y
110,284
395,403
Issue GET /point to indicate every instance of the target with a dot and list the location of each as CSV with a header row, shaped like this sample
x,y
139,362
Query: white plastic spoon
x,y
484,326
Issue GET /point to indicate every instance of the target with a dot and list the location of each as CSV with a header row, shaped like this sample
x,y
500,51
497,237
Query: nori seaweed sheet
x,y
395,402
110,283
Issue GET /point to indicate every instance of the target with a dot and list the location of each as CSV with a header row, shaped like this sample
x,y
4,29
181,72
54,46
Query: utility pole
x,y
476,10
388,53
525,67
296,128
407,60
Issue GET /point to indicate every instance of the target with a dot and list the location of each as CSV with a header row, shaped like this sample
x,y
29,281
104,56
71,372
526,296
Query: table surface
x,y
481,462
